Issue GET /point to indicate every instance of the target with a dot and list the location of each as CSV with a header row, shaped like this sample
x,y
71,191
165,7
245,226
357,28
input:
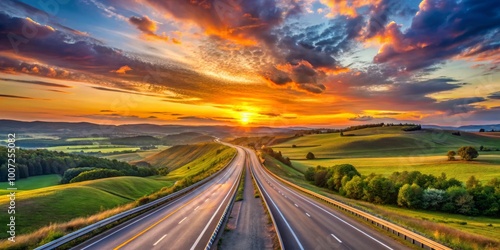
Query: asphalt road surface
x,y
186,223
305,223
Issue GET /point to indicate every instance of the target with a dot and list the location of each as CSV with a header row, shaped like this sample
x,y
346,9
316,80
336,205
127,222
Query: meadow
x,y
385,150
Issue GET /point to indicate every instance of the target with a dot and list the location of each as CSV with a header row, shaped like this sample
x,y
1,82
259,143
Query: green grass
x,y
87,139
241,187
382,142
384,150
203,162
30,183
93,148
484,168
61,203
136,156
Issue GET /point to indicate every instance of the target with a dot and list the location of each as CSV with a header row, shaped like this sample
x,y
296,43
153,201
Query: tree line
x,y
411,189
43,162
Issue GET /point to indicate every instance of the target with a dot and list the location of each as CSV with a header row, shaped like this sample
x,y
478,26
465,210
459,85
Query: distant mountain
x,y
468,128
85,129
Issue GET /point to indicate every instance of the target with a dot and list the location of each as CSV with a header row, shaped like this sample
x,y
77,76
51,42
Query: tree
x,y
468,153
354,188
481,130
472,182
451,155
433,199
309,174
310,156
410,196
339,171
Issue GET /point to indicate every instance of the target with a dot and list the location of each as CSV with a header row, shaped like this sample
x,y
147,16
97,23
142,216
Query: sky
x,y
326,63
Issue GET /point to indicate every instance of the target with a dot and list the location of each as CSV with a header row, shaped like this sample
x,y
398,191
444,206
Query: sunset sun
x,y
245,118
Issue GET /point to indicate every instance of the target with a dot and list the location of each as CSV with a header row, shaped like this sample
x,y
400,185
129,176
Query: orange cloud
x,y
122,70
147,27
347,7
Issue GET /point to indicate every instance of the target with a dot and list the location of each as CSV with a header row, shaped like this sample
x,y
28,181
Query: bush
x,y
451,155
468,153
410,196
72,173
96,174
310,156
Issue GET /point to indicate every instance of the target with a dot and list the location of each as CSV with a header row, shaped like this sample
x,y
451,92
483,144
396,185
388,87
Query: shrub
x,y
310,156
410,196
451,155
96,174
468,153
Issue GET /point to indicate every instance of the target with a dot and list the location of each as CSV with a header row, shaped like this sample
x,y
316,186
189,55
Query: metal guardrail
x,y
404,233
132,212
268,208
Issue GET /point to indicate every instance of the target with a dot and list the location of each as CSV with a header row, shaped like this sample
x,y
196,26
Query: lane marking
x,y
336,238
196,208
206,200
156,223
213,216
335,216
156,243
296,204
182,220
282,217
308,215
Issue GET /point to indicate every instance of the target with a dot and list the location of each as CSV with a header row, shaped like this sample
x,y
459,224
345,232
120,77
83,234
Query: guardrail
x,y
268,209
404,233
227,211
132,212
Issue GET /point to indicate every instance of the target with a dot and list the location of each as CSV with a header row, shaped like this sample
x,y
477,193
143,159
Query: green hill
x,y
180,155
65,202
381,142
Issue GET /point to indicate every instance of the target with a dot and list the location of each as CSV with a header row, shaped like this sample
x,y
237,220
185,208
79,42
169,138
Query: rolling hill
x,y
381,142
180,155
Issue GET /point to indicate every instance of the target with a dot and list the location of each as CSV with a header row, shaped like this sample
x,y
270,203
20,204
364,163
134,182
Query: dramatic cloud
x,y
495,96
147,27
14,96
41,83
442,29
122,70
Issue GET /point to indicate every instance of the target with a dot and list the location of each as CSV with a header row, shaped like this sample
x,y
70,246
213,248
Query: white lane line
x,y
156,243
296,204
182,220
213,216
196,208
283,217
206,200
335,216
336,238
308,215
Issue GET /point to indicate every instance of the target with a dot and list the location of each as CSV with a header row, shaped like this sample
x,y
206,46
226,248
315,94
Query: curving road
x,y
305,223
186,223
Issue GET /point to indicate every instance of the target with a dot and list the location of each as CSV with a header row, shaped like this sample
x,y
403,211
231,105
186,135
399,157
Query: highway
x,y
305,223
186,223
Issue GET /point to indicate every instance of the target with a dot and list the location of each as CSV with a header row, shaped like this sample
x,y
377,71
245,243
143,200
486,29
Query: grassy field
x,y
459,231
484,168
87,139
31,183
202,162
382,142
386,150
136,156
93,148
64,202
